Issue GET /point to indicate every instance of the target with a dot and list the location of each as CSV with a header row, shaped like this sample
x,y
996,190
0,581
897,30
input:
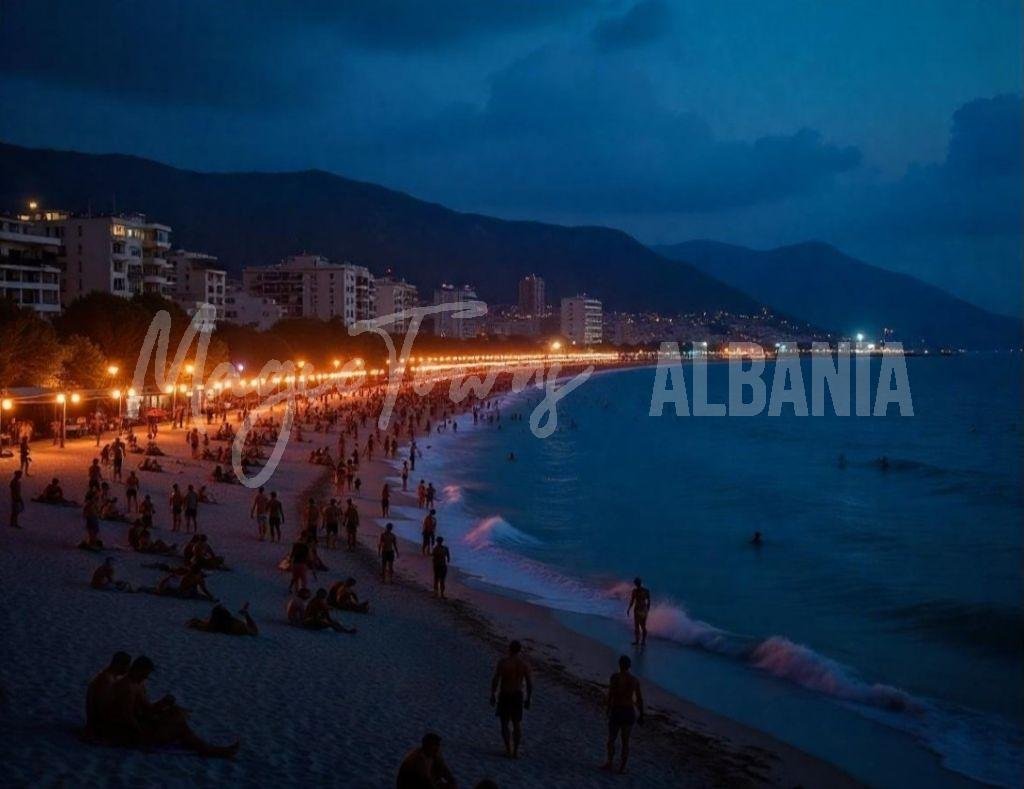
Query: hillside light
x,y
860,337
32,205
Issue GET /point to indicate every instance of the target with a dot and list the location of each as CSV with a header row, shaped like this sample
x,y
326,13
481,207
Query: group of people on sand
x,y
118,712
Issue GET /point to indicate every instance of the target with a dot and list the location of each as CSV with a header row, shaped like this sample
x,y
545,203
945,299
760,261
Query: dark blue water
x,y
879,623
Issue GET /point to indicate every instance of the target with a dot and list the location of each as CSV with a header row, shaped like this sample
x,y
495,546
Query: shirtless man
x,y
177,502
342,596
640,605
441,557
258,510
17,502
275,516
424,767
332,523
135,721
429,530
623,688
221,621
97,693
511,673
387,548
318,615
191,509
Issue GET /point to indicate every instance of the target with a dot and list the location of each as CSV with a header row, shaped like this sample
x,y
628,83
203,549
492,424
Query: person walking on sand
x,y
387,548
24,456
429,532
625,707
405,475
17,502
442,557
510,676
385,501
332,523
424,768
640,605
275,516
421,494
258,510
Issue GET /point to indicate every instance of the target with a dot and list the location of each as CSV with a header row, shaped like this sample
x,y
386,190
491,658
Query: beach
x,y
317,706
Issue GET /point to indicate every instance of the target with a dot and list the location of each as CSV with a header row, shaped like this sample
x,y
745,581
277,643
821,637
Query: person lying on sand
x,y
128,718
510,675
53,493
343,597
221,621
98,692
150,465
424,767
103,578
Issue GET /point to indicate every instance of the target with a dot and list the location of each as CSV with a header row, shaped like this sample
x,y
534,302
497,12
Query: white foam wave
x,y
795,662
496,529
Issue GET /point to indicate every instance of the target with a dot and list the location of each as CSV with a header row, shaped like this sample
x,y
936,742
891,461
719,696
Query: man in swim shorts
x,y
623,688
510,675
640,605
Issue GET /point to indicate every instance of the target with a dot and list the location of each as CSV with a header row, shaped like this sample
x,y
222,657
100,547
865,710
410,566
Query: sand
x,y
315,707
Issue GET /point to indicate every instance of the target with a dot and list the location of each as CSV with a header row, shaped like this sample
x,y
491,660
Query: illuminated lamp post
x,y
6,404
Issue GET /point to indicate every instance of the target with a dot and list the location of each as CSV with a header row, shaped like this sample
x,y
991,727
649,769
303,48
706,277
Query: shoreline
x,y
415,664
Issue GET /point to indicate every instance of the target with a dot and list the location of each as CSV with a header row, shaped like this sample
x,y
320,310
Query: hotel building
x,y
445,324
531,297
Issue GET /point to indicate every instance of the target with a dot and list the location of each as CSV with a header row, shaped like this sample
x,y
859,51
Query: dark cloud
x,y
567,132
648,20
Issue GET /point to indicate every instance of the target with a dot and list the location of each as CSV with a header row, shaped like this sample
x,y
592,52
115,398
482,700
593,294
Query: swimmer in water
x,y
756,539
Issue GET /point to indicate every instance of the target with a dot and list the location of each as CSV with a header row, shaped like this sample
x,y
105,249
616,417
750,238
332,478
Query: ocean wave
x,y
496,529
794,662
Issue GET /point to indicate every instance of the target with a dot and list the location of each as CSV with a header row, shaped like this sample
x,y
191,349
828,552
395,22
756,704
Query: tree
x,y
30,354
83,365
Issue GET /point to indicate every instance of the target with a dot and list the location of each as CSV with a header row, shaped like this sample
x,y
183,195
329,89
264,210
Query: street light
x,y
62,400
116,394
5,405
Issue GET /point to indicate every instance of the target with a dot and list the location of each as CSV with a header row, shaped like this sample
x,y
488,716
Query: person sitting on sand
x,y
343,597
53,493
510,675
318,615
424,767
148,464
103,578
130,719
640,605
191,585
98,691
199,552
221,621
623,688
108,504
141,541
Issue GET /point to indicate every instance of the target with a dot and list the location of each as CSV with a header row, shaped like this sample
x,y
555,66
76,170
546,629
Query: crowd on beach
x,y
347,436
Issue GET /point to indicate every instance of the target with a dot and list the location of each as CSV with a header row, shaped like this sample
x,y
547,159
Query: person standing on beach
x,y
424,768
191,509
510,675
332,522
385,501
177,505
258,510
351,519
387,548
429,530
17,502
625,707
640,605
275,516
442,558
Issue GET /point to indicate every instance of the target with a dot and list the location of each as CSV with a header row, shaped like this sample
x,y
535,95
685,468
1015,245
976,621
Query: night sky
x,y
891,129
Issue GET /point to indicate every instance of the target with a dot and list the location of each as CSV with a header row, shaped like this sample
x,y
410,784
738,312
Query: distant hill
x,y
259,218
819,284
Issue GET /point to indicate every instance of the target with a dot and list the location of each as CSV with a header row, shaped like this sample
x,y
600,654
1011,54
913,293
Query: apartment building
x,y
29,264
532,299
394,296
581,320
446,324
311,286
245,309
195,279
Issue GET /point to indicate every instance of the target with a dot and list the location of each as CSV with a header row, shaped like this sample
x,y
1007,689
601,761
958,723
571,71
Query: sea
x,y
879,623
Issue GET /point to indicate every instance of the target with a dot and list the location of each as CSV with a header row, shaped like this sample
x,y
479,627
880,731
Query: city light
x,y
6,404
75,397
112,369
116,394
556,345
62,398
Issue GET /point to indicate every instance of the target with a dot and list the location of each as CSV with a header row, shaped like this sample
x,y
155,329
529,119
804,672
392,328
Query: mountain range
x,y
257,218
821,285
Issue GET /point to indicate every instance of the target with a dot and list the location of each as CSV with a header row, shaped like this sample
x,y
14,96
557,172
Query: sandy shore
x,y
316,707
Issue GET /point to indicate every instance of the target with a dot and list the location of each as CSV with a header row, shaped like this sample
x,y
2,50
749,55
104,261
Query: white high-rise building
x,y
581,320
445,324
29,265
114,253
195,279
394,296
310,286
